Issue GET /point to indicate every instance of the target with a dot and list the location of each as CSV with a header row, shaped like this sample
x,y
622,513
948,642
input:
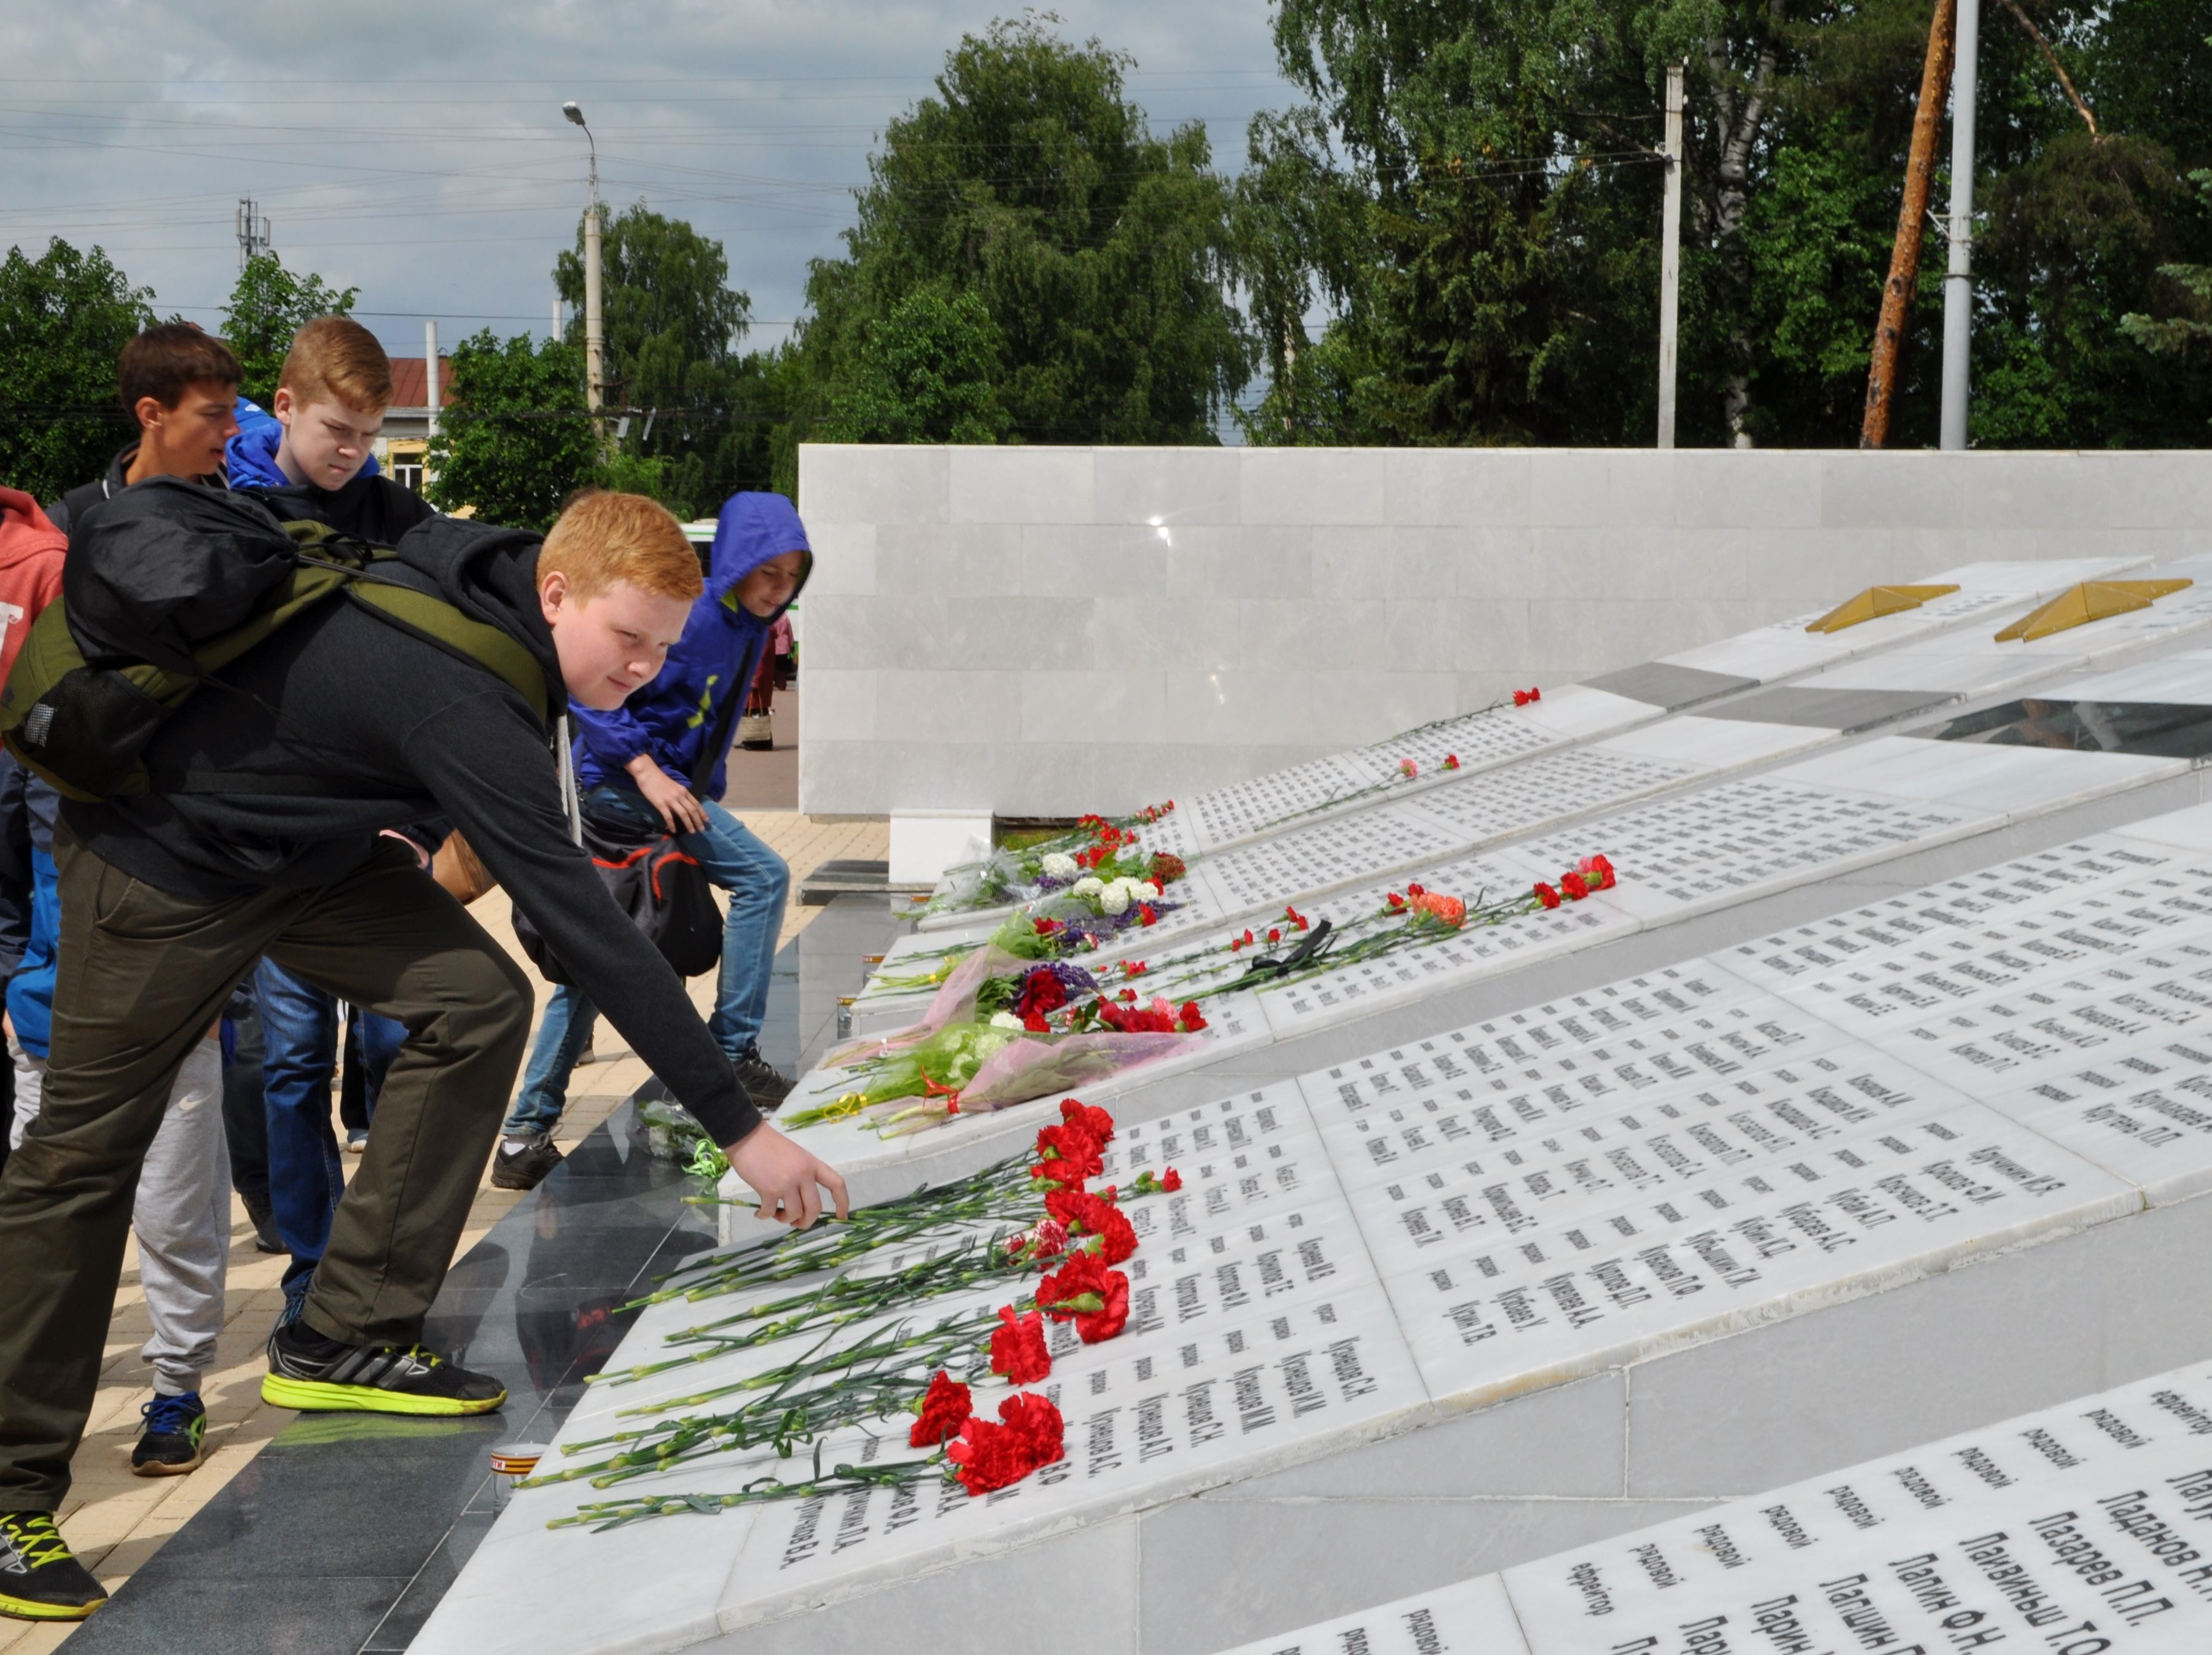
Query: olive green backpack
x,y
85,727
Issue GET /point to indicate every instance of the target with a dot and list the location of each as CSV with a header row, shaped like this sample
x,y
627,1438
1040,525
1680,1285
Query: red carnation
x,y
1451,761
1098,1123
1042,993
1036,1023
1017,1347
1417,890
1275,935
1029,1434
1102,1218
1396,901
1100,1325
1070,1152
1146,916
1575,887
1078,1288
1193,1021
1047,927
1599,872
944,1408
1171,1180
1547,895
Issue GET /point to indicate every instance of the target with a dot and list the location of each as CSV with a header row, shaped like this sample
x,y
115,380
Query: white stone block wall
x,y
1044,631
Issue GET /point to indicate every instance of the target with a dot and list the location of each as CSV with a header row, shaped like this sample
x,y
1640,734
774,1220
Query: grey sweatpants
x,y
181,1215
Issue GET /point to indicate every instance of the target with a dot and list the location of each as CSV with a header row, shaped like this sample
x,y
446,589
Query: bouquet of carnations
x,y
1003,1029
1020,1217
1104,847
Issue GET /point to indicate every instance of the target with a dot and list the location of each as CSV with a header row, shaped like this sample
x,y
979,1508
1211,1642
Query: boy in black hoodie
x,y
262,835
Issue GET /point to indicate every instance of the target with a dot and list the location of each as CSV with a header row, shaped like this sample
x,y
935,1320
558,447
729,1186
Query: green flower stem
x,y
613,1513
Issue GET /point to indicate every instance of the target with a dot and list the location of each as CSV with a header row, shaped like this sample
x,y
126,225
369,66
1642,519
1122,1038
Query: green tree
x,y
64,317
268,306
927,373
672,323
517,441
1099,253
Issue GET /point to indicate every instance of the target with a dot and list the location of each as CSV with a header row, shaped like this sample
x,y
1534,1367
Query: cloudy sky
x,y
416,150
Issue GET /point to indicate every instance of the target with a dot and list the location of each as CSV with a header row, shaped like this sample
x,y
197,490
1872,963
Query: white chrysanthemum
x,y
1005,1020
1057,864
1089,885
1114,898
1149,891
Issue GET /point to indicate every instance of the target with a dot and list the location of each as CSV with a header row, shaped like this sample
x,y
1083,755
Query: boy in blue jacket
x,y
636,764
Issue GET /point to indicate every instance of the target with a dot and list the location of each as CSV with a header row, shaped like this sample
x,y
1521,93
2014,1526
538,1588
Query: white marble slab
x,y
2073,1529
1489,1317
1473,1617
2185,679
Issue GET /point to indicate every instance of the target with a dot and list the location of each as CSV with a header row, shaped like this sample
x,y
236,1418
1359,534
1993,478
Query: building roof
x,y
409,386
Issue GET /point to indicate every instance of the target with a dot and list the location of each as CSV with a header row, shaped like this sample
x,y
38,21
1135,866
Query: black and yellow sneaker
x,y
173,1440
40,1578
319,1375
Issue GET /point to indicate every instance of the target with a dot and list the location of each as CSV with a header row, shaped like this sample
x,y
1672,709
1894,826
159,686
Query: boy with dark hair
x,y
178,384
261,835
181,386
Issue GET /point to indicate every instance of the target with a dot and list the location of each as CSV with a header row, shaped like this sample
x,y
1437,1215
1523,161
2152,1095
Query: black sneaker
x,y
317,1375
522,1163
40,1578
763,1084
172,1440
265,1239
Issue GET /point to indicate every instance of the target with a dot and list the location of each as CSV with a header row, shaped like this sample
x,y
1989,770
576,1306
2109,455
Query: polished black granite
x,y
345,1532
2157,730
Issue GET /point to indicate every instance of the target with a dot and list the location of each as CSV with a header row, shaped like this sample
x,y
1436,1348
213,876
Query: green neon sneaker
x,y
173,1440
317,1375
40,1578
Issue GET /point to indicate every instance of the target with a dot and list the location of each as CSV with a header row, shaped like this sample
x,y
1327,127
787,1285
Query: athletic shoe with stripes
x,y
40,1578
173,1440
318,1375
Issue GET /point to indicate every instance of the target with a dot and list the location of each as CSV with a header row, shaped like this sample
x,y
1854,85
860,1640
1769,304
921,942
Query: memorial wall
x,y
1033,630
1479,1291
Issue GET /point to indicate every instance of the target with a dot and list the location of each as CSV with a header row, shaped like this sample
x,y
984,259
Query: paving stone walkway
x,y
116,1521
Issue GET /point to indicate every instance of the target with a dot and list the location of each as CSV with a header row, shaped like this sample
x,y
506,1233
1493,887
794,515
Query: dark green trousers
x,y
141,975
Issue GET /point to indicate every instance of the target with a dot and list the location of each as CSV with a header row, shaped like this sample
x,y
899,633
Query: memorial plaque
x,y
1477,740
2074,1531
1488,1312
1226,815
1552,788
1474,1617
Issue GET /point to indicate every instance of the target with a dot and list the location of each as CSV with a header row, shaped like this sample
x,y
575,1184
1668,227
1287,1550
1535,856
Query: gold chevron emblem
x,y
2093,600
1874,602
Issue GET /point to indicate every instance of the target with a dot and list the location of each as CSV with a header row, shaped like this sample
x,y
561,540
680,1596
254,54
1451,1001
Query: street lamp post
x,y
594,338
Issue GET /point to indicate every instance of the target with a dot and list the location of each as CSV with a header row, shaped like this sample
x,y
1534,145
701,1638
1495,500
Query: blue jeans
x,y
300,1054
757,881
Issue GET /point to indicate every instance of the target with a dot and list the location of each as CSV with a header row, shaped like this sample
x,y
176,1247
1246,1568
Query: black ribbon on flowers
x,y
1311,946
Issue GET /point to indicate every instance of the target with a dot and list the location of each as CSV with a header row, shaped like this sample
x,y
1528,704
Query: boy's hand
x,y
787,1179
679,811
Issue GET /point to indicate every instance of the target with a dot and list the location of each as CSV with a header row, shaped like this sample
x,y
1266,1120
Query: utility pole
x,y
1670,256
252,227
1957,280
593,338
430,391
560,323
1912,218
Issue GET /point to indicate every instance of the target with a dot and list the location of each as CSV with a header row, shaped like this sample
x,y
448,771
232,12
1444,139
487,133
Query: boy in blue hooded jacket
x,y
636,765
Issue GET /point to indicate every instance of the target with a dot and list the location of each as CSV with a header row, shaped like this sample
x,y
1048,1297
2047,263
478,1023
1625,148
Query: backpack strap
x,y
439,622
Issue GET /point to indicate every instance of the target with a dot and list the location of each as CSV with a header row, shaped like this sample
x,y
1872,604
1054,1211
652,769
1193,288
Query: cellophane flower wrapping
x,y
1033,1067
